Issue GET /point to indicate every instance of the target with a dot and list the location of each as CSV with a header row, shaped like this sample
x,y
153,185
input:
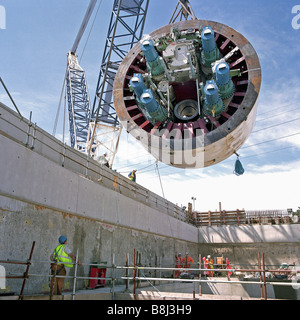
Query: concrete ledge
x,y
47,146
42,182
283,233
177,291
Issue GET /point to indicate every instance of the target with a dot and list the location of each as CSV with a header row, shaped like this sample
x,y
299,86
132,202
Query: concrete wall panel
x,y
104,214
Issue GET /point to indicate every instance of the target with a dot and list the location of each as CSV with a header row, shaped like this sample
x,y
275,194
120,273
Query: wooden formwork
x,y
233,217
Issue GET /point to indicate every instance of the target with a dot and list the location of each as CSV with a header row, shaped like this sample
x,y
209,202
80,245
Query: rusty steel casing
x,y
203,141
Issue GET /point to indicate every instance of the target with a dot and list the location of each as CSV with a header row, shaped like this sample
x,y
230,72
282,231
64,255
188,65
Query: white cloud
x,y
40,104
270,187
278,116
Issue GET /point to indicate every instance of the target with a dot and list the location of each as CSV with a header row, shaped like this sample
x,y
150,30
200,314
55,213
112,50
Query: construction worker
x,y
229,273
178,265
210,265
132,175
64,258
187,261
103,161
205,266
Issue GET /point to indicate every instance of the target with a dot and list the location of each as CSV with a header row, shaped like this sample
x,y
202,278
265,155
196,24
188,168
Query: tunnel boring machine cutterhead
x,y
188,92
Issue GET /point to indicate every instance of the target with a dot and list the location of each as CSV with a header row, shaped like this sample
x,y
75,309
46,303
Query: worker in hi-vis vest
x,y
187,261
132,175
178,265
64,258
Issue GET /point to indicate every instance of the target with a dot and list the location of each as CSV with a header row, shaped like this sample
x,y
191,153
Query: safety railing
x,y
269,217
219,218
25,276
135,274
240,217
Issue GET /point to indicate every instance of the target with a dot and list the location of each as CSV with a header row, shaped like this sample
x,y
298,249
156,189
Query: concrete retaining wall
x,y
40,199
250,234
48,189
241,244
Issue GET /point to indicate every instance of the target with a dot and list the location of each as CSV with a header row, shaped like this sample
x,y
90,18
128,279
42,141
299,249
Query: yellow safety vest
x,y
131,176
61,257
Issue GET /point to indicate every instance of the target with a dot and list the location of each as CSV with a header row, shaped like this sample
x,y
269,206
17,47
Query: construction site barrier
x,y
136,278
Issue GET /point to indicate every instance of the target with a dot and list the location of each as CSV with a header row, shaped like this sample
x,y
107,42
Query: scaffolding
x,y
134,273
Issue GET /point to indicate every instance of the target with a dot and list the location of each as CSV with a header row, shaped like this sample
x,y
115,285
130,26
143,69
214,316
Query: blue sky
x,y
33,53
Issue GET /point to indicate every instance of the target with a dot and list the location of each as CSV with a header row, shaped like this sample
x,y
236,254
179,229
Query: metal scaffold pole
x,y
138,275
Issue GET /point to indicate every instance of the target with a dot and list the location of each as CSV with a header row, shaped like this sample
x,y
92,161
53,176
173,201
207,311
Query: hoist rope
x,y
139,170
59,104
88,37
172,233
162,189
